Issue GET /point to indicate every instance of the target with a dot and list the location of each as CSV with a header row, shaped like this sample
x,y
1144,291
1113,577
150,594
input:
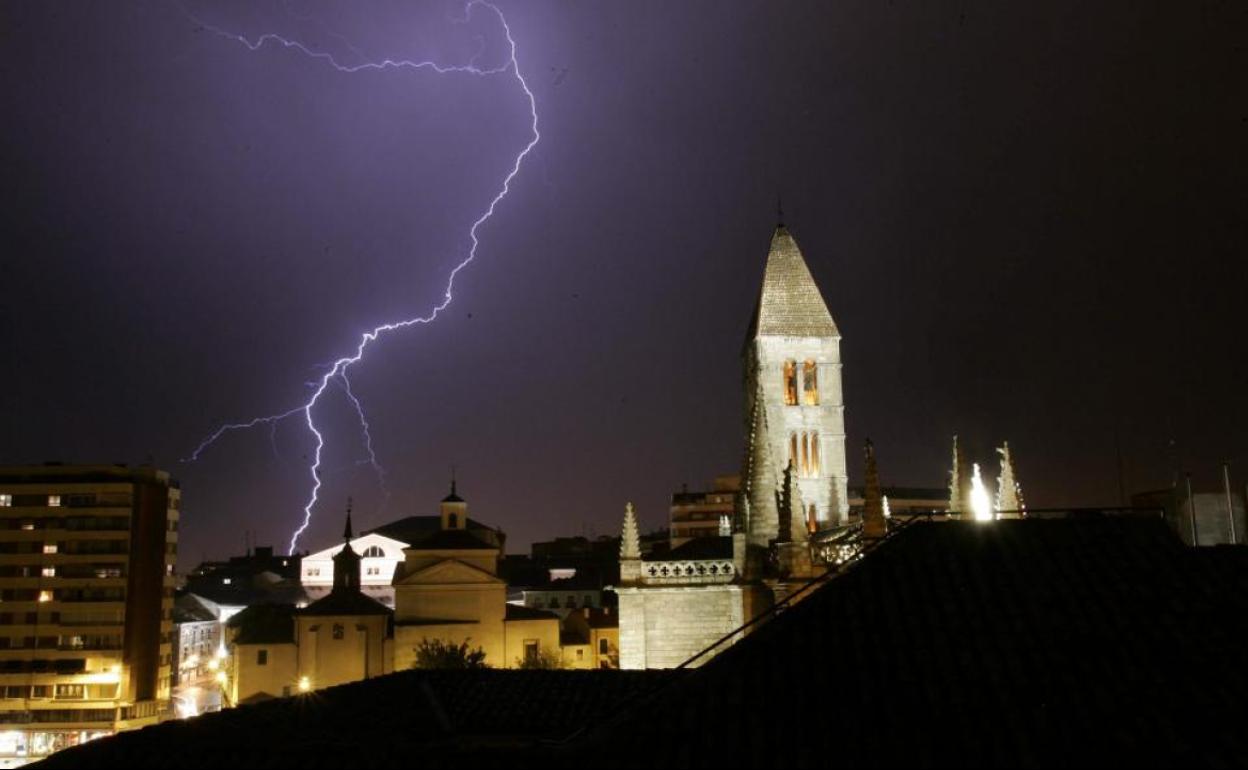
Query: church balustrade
x,y
688,572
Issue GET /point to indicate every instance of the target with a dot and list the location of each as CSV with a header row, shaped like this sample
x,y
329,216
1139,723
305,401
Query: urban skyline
x,y
1007,263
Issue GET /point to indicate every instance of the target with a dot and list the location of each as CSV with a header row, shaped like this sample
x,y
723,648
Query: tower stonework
x,y
794,406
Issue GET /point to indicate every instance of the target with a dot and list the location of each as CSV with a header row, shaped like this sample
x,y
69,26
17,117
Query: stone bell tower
x,y
793,476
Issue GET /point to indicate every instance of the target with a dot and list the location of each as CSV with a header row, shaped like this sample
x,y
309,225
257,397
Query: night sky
x,y
1028,221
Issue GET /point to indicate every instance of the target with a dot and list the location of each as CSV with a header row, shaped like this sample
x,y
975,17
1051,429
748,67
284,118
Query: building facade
x,y
276,650
702,514
448,589
87,556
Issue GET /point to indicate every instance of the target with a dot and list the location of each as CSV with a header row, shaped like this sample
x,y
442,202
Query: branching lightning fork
x,y
339,368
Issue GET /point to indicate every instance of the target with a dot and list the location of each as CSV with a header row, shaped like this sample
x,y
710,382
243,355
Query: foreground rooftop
x,y
1018,643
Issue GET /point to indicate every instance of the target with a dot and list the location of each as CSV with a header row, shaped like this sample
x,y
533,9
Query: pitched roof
x,y
411,528
453,540
264,624
410,718
790,303
346,602
1035,642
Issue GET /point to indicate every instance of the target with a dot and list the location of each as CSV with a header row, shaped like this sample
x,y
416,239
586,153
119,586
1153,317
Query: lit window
x,y
49,547
49,571
6,501
45,596
54,501
790,383
810,383
226,581
815,469
28,525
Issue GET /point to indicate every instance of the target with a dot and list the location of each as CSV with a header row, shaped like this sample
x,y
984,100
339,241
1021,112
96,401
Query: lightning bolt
x,y
338,369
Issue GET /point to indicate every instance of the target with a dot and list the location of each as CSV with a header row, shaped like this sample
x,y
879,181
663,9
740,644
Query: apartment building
x,y
87,557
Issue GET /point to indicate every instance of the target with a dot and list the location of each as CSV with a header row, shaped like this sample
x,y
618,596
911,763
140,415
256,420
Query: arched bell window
x,y
790,383
810,383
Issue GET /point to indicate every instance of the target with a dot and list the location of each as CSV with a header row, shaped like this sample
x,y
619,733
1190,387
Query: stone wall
x,y
664,627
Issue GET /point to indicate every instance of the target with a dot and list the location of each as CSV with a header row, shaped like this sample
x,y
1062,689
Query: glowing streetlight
x,y
305,684
981,503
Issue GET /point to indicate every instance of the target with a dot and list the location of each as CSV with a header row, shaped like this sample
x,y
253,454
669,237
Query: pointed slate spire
x,y
630,541
346,532
790,303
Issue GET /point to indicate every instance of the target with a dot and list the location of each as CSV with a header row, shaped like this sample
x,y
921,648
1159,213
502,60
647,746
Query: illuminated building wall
x,y
86,593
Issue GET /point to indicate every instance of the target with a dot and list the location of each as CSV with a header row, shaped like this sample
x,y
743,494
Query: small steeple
x,y
347,561
346,532
453,497
453,508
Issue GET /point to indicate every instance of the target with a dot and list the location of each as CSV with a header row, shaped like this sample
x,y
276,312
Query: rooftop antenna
x,y
779,211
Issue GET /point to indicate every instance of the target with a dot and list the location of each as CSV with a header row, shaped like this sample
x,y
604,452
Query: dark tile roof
x,y
187,608
603,617
346,602
453,539
412,528
417,719
520,612
716,547
1017,643
264,624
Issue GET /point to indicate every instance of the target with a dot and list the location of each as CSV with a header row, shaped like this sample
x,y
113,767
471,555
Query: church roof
x,y
410,529
790,303
345,602
453,540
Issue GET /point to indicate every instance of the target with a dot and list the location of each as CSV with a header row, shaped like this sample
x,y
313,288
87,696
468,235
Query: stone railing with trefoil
x,y
688,572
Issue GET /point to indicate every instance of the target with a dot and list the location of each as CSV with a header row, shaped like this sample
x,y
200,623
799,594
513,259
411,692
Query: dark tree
x,y
435,653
